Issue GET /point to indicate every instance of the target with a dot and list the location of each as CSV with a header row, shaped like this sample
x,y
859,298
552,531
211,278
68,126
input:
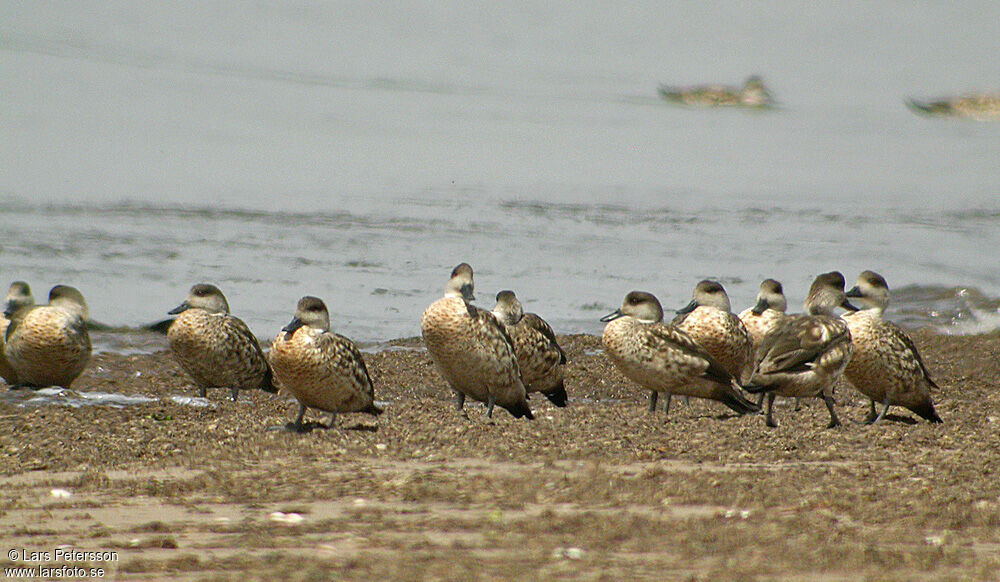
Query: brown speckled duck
x,y
471,349
662,358
322,369
215,348
48,345
18,297
539,357
886,366
708,319
806,353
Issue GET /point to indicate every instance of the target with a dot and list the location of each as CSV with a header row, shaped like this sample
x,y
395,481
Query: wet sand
x,y
601,490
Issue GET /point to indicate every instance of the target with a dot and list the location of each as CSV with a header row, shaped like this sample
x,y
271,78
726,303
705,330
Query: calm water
x,y
358,151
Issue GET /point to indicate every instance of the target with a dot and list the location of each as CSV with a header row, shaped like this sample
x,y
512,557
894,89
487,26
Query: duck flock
x,y
499,357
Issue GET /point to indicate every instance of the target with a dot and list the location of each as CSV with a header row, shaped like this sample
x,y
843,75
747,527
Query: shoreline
x,y
187,492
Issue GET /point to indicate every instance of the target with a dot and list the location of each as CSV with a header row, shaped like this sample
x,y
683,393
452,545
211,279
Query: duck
x,y
539,357
886,366
48,345
767,313
708,319
18,297
661,358
471,350
322,369
977,106
215,348
806,353
752,94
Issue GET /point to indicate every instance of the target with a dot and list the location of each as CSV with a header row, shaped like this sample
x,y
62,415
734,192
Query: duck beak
x,y
688,308
761,306
613,316
179,309
847,305
854,292
293,325
467,293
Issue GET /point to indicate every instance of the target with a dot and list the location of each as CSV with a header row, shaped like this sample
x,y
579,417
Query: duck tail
x,y
558,395
738,404
927,412
267,384
757,388
520,409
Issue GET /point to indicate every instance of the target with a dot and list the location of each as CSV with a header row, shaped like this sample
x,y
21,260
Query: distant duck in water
x,y
752,94
662,358
322,369
539,357
886,366
978,106
18,297
471,349
215,348
48,345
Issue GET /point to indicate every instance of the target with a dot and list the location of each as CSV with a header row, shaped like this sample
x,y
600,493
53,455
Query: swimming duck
x,y
978,106
753,93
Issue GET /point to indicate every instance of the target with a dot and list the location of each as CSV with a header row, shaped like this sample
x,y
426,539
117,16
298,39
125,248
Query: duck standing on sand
x,y
662,358
215,348
886,366
18,297
753,94
48,345
539,357
806,353
708,319
471,349
322,369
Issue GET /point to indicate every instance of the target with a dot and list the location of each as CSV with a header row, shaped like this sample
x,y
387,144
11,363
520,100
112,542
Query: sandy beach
x,y
600,490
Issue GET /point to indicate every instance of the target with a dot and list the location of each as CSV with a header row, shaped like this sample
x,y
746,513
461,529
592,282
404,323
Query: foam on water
x,y
28,398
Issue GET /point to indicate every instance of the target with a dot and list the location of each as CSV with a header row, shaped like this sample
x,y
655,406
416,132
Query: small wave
x,y
949,310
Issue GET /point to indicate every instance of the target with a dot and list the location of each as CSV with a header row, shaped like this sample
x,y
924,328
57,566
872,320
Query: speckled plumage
x,y
48,345
18,297
322,369
806,354
216,349
886,366
539,357
471,350
979,106
662,358
768,312
709,321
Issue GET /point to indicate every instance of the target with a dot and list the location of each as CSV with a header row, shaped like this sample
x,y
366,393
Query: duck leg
x,y
769,416
653,397
834,421
490,402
